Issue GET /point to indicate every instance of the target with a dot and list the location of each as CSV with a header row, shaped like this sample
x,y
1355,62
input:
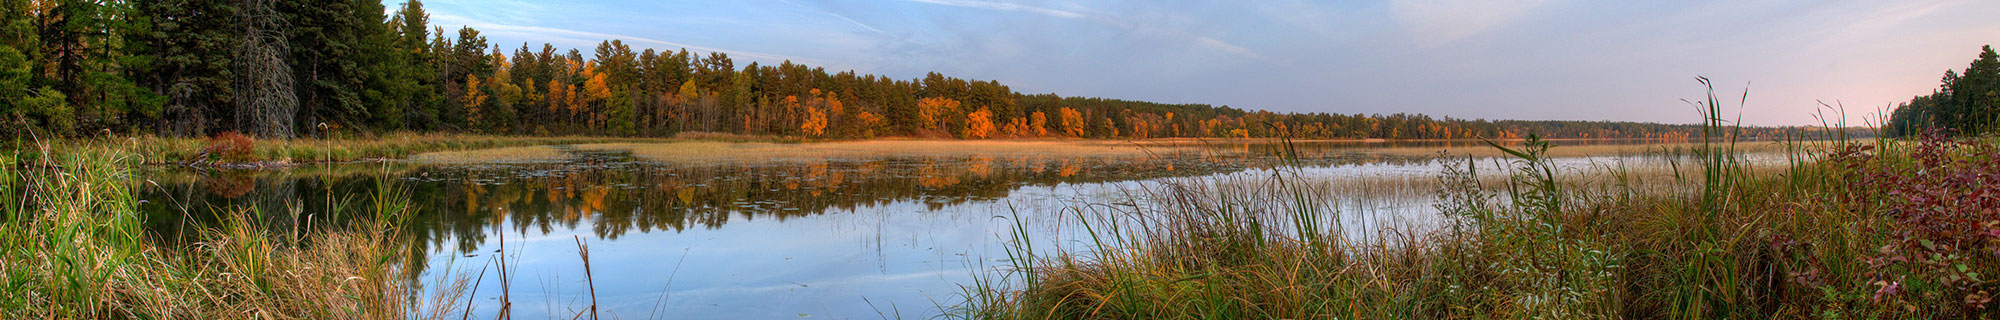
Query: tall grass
x,y
1716,239
163,150
72,246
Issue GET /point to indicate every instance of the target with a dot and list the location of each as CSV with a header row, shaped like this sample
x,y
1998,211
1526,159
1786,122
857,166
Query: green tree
x,y
189,44
19,98
327,55
410,71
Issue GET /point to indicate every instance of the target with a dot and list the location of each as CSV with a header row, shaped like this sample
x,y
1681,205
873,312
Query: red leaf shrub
x,y
1942,203
231,146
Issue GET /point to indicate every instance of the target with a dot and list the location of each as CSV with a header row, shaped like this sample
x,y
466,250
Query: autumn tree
x,y
1072,122
979,124
1039,123
193,67
815,121
934,113
475,102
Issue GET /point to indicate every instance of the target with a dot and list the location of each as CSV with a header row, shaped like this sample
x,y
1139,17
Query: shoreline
x,y
283,154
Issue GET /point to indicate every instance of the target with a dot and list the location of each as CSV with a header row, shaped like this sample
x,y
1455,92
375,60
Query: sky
x,y
1491,59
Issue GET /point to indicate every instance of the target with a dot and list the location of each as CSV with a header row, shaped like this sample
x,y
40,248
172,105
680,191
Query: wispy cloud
x,y
501,11
837,16
559,35
1005,7
1138,28
1434,22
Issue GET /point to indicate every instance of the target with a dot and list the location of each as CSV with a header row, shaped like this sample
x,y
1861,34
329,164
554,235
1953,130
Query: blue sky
x,y
1495,59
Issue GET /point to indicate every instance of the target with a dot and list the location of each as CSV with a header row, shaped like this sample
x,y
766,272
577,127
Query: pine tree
x,y
190,45
327,53
412,69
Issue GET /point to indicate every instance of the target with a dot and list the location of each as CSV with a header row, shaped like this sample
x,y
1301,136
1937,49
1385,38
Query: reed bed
x,y
701,152
1837,229
528,154
163,150
72,246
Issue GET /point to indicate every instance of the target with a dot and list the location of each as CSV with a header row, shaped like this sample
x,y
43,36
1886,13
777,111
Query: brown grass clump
x,y
72,246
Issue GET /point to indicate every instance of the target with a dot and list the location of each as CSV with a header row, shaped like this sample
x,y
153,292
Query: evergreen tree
x,y
327,54
189,44
1967,102
412,70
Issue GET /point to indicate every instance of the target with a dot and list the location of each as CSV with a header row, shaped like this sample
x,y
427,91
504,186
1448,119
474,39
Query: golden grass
x,y
495,155
1480,150
150,149
73,247
710,151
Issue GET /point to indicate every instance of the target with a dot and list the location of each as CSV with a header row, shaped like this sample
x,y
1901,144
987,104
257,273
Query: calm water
x,y
858,238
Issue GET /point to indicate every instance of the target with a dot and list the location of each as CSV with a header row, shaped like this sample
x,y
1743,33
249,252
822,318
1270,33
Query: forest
x,y
280,69
1966,102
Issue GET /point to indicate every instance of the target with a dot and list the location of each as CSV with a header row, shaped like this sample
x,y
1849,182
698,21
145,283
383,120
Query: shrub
x,y
231,146
1943,200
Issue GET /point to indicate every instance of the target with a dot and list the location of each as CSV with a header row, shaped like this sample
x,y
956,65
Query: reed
x,y
72,246
164,150
1828,230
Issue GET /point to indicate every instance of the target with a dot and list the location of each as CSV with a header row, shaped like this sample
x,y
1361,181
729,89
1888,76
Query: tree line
x,y
1966,102
286,68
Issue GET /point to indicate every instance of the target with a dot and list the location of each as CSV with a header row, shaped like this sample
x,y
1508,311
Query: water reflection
x,y
721,240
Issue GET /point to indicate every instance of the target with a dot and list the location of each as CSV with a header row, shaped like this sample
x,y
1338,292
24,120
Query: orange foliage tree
x,y
1039,123
1072,122
814,124
979,124
932,113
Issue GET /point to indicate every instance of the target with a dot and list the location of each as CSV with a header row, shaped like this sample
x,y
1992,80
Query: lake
x,y
860,235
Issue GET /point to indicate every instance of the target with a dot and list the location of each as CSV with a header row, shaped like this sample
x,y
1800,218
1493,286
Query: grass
x,y
72,246
494,155
165,150
715,151
393,146
684,147
1841,229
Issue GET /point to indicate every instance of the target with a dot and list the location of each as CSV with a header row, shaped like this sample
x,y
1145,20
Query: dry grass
x,y
72,246
1707,235
1283,246
496,155
710,152
1671,148
392,146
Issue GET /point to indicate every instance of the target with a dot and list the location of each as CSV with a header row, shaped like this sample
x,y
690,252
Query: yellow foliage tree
x,y
931,112
867,122
556,96
475,99
596,91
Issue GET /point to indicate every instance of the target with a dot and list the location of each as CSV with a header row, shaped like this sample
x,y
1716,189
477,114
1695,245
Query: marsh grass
x,y
162,150
72,246
1705,234
528,154
703,152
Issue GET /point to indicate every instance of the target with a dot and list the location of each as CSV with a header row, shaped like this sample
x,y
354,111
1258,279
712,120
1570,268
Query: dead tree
x,y
265,104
